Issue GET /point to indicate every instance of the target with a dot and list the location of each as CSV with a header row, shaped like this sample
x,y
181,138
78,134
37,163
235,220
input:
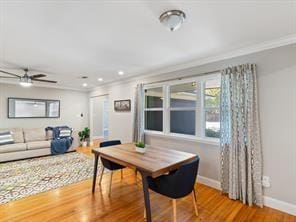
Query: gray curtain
x,y
138,131
241,155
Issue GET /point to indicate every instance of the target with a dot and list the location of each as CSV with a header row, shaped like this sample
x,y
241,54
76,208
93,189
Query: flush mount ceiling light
x,y
172,19
120,73
84,84
100,79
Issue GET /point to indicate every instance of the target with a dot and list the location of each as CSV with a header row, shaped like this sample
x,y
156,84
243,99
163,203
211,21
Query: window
x,y
154,109
182,108
212,108
188,108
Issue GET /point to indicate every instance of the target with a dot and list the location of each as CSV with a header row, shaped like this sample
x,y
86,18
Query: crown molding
x,y
287,40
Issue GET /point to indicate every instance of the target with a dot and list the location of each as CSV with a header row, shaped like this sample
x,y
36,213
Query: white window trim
x,y
202,110
183,137
168,98
156,109
153,109
165,133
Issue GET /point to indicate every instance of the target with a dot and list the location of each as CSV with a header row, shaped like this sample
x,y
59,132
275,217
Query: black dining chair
x,y
109,164
177,184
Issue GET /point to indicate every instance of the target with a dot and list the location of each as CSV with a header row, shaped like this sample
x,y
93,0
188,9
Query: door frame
x,y
91,118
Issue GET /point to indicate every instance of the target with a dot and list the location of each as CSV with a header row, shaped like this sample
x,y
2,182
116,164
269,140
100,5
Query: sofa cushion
x,y
6,138
38,145
17,134
35,134
12,147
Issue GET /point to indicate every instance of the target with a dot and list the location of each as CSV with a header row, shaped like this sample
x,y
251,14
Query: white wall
x,y
277,99
72,103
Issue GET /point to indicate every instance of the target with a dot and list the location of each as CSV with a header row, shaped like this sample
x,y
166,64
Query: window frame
x,y
181,108
205,109
154,109
200,110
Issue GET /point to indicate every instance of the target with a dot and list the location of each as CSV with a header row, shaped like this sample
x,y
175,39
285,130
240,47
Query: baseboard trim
x,y
280,205
268,201
209,182
98,137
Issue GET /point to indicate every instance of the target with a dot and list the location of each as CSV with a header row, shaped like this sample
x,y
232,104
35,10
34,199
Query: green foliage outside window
x,y
212,97
212,133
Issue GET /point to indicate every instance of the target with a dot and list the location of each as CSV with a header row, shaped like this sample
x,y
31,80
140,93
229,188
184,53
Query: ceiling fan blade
x,y
44,80
37,76
10,73
8,77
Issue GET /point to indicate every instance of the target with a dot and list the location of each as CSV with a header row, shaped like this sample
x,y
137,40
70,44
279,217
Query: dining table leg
x,y
95,173
146,196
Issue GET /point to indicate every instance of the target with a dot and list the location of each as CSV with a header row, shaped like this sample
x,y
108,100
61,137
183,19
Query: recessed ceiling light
x,y
120,72
100,79
84,84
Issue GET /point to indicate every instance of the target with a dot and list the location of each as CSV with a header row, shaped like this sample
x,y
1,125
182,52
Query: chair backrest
x,y
185,178
110,143
107,163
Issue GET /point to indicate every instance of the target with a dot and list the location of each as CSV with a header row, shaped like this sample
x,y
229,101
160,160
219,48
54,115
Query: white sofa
x,y
29,143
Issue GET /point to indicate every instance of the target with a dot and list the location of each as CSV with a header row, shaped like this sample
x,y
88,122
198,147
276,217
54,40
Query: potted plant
x,y
84,136
140,147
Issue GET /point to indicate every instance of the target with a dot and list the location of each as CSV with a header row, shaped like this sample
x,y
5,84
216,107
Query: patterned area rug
x,y
28,177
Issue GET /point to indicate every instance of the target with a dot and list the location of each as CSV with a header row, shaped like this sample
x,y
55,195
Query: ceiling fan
x,y
26,80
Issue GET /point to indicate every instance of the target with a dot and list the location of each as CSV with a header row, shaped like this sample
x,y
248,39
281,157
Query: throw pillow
x,y
6,138
65,132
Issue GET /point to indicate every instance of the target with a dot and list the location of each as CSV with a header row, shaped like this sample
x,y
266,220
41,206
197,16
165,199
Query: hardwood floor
x,y
87,150
76,203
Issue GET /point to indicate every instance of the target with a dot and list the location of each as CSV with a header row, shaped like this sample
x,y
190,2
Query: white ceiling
x,y
70,39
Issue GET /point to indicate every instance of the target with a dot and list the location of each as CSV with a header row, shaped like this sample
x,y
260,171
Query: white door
x,y
99,122
106,118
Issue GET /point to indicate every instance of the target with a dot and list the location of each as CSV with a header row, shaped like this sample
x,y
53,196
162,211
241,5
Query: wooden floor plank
x,y
76,203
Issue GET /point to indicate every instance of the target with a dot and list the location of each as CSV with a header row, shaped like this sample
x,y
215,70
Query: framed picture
x,y
122,105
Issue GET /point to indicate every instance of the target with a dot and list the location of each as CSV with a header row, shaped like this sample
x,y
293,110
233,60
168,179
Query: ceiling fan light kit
x,y
26,80
172,19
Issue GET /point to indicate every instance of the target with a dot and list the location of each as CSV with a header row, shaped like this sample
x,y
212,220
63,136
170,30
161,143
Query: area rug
x,y
28,177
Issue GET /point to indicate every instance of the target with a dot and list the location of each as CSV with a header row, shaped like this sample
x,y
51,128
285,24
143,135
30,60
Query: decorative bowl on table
x,y
140,147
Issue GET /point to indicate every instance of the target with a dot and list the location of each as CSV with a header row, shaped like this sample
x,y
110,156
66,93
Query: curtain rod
x,y
185,77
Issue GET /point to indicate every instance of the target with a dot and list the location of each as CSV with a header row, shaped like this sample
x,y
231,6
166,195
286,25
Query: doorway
x,y
99,117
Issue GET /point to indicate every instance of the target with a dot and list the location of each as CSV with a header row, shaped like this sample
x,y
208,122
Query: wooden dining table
x,y
153,163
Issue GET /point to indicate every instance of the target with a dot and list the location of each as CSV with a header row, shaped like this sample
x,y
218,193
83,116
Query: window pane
x,y
53,108
153,120
183,95
183,122
212,93
153,98
212,123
